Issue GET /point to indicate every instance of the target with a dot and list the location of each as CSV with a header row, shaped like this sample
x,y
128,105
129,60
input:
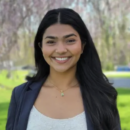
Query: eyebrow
x,y
66,36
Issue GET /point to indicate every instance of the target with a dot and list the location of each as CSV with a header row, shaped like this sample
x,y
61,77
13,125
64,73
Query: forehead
x,y
60,30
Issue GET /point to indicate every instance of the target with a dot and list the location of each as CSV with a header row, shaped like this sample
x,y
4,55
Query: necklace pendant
x,y
62,94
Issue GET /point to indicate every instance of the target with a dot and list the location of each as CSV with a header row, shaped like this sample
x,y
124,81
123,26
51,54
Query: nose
x,y
61,48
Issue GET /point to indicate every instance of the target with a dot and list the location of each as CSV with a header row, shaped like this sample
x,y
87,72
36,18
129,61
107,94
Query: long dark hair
x,y
99,96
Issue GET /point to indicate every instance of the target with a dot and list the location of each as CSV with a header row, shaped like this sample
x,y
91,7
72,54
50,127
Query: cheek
x,y
46,51
77,50
46,54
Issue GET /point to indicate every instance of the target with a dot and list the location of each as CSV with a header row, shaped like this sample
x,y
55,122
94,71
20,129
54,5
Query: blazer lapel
x,y
28,101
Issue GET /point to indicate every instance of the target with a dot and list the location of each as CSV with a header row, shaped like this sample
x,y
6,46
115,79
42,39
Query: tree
x,y
21,15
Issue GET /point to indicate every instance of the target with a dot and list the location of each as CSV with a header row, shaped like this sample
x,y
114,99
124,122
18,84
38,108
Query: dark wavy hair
x,y
99,96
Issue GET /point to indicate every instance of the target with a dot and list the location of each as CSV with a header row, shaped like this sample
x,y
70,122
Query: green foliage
x,y
109,66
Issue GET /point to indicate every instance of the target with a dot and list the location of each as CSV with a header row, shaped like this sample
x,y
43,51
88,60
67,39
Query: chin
x,y
61,70
64,69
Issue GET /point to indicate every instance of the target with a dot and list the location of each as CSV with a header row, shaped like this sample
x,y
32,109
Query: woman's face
x,y
61,47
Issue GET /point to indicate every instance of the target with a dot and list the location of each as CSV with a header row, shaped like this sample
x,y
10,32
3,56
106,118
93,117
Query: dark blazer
x,y
22,100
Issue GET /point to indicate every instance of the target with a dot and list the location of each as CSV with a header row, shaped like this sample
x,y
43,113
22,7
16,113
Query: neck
x,y
62,80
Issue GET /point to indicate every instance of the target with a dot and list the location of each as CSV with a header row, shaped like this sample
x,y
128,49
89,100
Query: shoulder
x,y
18,90
20,87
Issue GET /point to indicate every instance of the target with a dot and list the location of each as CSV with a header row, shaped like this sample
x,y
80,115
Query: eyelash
x,y
50,42
70,41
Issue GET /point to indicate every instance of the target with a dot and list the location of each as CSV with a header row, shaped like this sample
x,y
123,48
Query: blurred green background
x,y
109,25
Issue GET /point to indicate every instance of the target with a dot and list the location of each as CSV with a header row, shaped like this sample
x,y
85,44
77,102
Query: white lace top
x,y
38,121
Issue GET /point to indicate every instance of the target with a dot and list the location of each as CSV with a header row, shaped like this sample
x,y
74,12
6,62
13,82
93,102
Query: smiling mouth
x,y
61,59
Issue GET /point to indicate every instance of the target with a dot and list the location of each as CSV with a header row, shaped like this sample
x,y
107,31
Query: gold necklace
x,y
62,91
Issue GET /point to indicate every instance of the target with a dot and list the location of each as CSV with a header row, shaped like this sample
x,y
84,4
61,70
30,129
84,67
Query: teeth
x,y
61,59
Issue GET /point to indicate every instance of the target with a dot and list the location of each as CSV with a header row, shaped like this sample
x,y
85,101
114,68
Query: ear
x,y
39,45
83,45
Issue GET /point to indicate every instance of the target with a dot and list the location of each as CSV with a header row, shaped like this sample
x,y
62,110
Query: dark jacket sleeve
x,y
11,112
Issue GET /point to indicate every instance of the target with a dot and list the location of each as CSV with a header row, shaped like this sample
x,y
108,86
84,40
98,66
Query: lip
x,y
61,56
61,62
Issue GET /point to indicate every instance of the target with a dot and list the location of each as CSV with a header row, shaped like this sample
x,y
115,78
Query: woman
x,y
69,91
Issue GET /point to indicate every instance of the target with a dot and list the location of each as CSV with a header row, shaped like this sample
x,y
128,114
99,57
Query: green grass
x,y
17,77
4,104
123,91
124,111
114,74
123,103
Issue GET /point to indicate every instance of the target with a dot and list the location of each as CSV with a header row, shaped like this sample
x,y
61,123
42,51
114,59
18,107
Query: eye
x,y
71,41
50,42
